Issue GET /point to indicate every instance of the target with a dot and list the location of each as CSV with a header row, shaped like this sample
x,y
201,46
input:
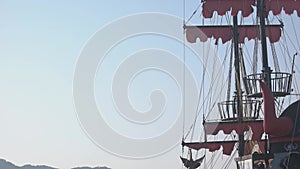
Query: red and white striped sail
x,y
223,6
227,146
273,32
213,146
256,126
246,7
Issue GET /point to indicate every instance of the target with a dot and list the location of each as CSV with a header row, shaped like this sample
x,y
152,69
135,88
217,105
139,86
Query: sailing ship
x,y
260,117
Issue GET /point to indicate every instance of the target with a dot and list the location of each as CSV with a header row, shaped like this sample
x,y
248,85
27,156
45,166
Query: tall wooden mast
x,y
266,69
238,83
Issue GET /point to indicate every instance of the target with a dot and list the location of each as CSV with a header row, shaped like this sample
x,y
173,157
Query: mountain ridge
x,y
4,164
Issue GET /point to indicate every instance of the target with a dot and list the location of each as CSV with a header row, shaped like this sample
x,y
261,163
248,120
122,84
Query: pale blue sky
x,y
39,45
40,41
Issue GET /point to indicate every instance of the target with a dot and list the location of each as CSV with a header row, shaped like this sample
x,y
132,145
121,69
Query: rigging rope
x,y
290,39
296,35
275,57
255,57
255,51
243,70
206,98
229,160
230,74
194,13
250,57
184,65
210,104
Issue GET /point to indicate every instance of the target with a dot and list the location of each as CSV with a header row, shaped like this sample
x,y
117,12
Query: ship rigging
x,y
259,117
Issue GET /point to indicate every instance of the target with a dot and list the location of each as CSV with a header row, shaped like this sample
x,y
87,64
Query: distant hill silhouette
x,y
8,165
91,168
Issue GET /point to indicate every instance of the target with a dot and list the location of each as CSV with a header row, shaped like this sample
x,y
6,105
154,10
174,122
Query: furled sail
x,y
213,146
289,6
223,6
227,146
213,128
273,32
246,7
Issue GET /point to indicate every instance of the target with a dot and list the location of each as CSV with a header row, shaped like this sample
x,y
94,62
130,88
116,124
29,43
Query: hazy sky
x,y
40,43
39,47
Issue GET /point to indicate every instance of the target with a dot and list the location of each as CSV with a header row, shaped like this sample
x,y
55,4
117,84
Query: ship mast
x,y
266,69
238,83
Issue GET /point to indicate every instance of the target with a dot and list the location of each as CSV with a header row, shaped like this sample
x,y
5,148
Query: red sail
x,y
275,127
246,7
240,128
227,146
213,146
273,32
289,6
204,32
223,6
